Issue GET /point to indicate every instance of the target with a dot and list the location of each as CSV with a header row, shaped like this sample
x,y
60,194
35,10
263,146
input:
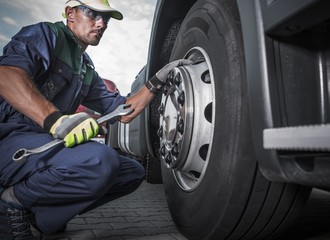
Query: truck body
x,y
240,137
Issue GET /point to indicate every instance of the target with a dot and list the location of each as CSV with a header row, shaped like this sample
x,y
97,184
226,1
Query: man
x,y
45,74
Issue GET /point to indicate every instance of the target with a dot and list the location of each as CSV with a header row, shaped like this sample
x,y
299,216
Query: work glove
x,y
73,129
156,83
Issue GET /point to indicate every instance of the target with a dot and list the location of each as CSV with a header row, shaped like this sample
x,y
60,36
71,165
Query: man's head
x,y
88,19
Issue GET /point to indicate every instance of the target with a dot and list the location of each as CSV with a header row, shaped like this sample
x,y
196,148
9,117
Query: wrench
x,y
22,154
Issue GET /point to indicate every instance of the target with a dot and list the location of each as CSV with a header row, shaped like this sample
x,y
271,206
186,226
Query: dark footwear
x,y
14,223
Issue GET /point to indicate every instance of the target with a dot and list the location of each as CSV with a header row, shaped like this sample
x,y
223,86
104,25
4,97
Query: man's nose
x,y
101,23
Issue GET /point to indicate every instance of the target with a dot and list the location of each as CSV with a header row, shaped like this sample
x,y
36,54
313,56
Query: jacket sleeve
x,y
31,49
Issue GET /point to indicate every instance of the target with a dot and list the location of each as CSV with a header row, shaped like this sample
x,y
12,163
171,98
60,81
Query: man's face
x,y
87,26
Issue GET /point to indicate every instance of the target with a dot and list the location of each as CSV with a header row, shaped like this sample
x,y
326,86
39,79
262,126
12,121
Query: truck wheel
x,y
212,182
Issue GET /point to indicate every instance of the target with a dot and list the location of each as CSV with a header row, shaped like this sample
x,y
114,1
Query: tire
x,y
212,182
153,171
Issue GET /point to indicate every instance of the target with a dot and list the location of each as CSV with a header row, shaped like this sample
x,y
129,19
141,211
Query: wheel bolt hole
x,y
208,112
195,174
203,151
206,76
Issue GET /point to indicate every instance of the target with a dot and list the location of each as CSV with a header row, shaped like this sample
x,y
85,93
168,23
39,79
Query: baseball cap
x,y
96,5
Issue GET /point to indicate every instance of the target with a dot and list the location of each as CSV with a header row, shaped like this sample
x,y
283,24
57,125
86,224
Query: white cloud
x,y
9,21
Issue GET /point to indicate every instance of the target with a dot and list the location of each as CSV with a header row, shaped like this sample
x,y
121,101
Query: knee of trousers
x,y
99,171
139,171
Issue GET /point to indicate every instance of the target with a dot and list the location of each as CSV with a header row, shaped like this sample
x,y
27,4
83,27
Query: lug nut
x,y
162,151
168,159
181,98
180,126
170,77
161,109
160,132
177,79
165,90
175,150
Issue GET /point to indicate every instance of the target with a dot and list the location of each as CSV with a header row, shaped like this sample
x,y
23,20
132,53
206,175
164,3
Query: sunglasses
x,y
94,15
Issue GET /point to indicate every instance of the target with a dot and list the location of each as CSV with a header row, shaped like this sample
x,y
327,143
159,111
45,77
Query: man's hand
x,y
73,129
163,73
156,83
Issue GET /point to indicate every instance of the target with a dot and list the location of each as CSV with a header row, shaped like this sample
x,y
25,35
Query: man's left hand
x,y
156,83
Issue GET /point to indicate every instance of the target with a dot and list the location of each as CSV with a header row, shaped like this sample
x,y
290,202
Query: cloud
x,y
39,9
9,21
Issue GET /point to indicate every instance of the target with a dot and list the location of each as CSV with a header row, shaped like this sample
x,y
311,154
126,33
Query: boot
x,y
14,223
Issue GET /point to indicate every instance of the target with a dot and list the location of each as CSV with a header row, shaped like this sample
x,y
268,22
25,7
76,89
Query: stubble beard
x,y
93,41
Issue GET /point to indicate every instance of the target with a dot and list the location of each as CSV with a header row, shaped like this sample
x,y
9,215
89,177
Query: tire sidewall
x,y
225,186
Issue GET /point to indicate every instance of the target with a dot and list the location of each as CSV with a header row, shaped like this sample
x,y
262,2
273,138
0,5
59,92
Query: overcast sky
x,y
122,51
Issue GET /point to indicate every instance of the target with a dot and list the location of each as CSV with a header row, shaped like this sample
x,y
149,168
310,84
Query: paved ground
x,y
142,215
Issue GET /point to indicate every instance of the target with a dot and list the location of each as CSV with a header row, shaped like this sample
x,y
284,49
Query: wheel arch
x,y
167,14
258,86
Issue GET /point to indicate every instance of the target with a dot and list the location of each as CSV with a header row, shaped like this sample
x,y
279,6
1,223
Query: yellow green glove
x,y
73,129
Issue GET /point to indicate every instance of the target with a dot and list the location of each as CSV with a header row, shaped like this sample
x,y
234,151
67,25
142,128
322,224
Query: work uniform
x,y
60,183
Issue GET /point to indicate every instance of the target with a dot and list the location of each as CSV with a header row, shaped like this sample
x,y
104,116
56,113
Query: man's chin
x,y
94,43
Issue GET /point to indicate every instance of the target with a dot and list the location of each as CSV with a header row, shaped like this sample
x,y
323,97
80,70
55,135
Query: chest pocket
x,y
60,75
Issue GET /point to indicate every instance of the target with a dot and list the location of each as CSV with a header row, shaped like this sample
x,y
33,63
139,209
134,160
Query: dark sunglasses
x,y
94,15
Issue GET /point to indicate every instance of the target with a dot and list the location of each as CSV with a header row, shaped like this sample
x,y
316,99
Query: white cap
x,y
96,5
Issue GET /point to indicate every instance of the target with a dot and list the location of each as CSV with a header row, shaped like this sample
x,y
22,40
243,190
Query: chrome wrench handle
x,y
121,110
21,154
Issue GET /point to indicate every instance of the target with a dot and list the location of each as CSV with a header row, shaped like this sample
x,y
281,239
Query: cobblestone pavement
x,y
142,215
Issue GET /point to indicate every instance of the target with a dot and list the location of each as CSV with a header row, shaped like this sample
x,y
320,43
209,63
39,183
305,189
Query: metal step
x,y
298,138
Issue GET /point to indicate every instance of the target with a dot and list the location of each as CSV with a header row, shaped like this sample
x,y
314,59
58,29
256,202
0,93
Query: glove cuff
x,y
51,119
154,85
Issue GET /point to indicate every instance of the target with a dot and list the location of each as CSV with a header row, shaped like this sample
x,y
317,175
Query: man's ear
x,y
69,13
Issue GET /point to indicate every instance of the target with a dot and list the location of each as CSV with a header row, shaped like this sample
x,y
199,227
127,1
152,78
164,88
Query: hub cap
x,y
186,116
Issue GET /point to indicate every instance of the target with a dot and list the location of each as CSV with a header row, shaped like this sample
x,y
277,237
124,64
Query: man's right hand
x,y
73,129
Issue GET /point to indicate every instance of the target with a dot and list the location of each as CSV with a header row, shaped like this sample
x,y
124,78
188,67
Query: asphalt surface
x,y
143,215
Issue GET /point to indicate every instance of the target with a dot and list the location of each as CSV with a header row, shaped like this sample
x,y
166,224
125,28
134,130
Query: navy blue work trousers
x,y
61,183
